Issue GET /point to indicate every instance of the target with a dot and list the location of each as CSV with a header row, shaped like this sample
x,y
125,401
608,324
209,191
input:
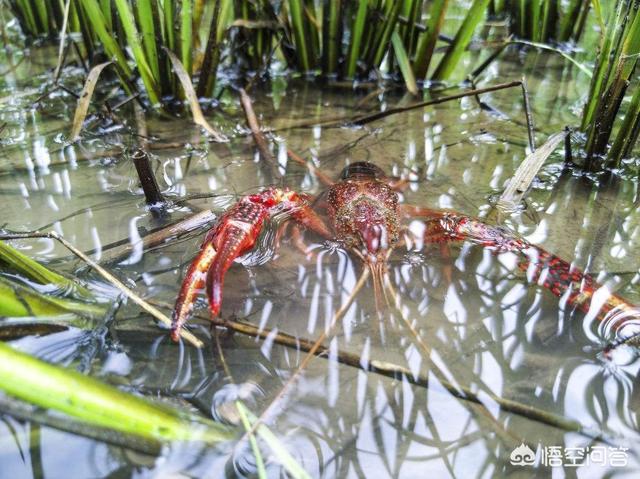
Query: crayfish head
x,y
371,230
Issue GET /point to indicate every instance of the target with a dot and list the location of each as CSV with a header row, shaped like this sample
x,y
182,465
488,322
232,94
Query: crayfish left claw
x,y
234,235
193,282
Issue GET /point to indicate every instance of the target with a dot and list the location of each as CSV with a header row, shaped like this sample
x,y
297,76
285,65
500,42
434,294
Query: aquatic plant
x,y
605,117
544,20
337,39
95,403
20,298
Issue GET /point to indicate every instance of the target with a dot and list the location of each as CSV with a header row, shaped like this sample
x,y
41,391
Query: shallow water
x,y
476,321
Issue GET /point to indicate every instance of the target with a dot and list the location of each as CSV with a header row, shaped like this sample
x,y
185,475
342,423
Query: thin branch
x,y
252,121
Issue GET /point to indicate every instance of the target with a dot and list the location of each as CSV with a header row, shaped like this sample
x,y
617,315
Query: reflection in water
x,y
463,320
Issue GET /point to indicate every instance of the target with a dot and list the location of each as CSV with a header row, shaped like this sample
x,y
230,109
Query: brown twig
x,y
254,126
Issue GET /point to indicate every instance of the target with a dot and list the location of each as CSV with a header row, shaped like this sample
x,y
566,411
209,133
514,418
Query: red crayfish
x,y
366,216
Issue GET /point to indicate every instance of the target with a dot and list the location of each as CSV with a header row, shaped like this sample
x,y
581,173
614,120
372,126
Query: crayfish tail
x,y
193,282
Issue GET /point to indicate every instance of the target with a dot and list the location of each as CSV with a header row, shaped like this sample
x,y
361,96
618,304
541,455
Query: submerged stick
x,y
397,372
152,193
187,225
360,120
153,311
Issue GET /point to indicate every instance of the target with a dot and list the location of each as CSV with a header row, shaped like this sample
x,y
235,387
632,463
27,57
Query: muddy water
x,y
463,321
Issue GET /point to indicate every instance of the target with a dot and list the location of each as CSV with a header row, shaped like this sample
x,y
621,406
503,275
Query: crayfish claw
x,y
235,234
194,281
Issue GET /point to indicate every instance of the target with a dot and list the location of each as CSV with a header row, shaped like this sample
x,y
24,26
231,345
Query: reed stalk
x,y
615,67
455,51
348,40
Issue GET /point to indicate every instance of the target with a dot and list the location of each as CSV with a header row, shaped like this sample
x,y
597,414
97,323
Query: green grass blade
x,y
427,42
255,448
133,38
18,300
99,26
168,10
29,17
36,272
627,133
603,67
42,17
208,71
455,51
93,402
404,63
147,28
332,39
357,31
382,42
296,8
186,35
107,13
534,17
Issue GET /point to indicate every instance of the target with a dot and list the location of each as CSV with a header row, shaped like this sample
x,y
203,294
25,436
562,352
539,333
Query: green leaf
x,y
403,62
455,51
96,403
18,300
35,271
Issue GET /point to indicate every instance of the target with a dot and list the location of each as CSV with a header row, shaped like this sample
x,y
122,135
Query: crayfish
x,y
364,213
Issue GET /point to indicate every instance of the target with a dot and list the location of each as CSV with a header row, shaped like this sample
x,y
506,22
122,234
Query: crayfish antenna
x,y
378,276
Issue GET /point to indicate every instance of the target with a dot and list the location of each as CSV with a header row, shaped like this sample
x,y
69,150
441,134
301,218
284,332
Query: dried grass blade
x,y
527,171
85,100
192,98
